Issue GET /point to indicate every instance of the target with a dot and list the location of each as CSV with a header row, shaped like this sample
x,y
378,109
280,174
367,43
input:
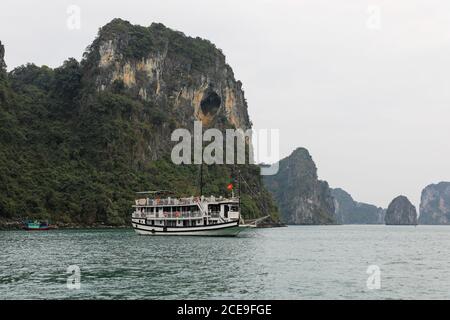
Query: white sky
x,y
370,101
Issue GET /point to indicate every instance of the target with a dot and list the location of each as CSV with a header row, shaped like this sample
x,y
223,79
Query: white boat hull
x,y
228,229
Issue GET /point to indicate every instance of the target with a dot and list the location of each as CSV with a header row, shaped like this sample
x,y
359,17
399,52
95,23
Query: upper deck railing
x,y
173,215
182,201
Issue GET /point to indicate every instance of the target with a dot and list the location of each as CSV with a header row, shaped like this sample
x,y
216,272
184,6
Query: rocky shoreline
x,y
10,224
271,225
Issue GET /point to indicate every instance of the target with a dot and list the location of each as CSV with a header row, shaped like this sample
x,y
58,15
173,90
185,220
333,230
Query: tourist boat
x,y
202,216
34,225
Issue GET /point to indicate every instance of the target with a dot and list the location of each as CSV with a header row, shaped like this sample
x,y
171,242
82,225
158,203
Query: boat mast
x,y
201,172
239,190
201,179
239,197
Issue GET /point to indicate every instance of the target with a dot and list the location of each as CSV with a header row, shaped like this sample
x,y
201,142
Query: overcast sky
x,y
364,85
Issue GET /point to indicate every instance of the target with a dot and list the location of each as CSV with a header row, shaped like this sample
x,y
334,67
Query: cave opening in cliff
x,y
210,103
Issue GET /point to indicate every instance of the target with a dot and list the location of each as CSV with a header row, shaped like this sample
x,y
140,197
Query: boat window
x,y
227,208
214,208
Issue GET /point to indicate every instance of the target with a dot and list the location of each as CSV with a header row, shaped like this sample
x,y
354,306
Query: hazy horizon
x,y
363,85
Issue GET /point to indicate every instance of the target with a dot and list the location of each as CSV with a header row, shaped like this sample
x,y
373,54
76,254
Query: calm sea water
x,y
298,262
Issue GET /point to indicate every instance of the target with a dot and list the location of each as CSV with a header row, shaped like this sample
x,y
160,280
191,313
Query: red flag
x,y
230,186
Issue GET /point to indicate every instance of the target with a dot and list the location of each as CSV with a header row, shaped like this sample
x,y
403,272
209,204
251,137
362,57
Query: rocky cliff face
x,y
401,212
301,197
349,211
188,77
435,204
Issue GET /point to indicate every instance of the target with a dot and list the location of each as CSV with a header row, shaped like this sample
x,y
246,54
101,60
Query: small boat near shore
x,y
35,225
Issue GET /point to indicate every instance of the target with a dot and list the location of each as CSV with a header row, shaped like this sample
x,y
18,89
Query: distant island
x,y
303,199
435,204
349,211
401,212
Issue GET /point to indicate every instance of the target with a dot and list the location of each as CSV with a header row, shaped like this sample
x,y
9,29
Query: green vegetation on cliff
x,y
72,152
